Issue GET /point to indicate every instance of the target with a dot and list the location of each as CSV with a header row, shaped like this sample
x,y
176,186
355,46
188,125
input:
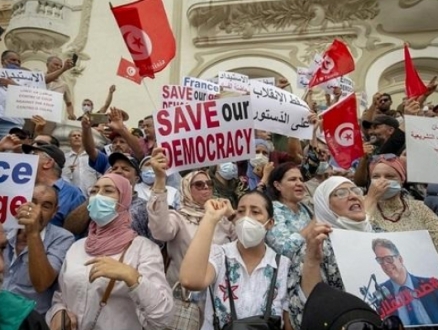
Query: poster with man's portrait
x,y
395,273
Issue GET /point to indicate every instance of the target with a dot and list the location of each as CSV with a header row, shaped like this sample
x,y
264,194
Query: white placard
x,y
25,102
345,83
422,149
173,95
414,264
267,81
281,112
24,77
204,85
17,180
202,134
232,81
303,77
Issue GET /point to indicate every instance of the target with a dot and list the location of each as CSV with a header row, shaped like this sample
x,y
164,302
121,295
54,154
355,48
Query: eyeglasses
x,y
345,192
201,185
392,322
384,100
388,157
386,259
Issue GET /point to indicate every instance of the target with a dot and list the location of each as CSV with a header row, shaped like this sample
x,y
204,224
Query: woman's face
x,y
261,149
201,189
347,201
105,187
254,206
383,171
291,186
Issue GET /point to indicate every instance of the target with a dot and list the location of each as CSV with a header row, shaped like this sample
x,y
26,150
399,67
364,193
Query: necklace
x,y
397,215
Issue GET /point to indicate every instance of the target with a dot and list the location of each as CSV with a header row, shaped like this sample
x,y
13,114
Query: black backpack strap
x,y
307,209
216,325
270,298
230,293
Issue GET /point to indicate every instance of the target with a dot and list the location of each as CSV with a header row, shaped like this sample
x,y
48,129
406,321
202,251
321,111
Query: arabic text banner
x,y
391,272
278,111
25,102
25,78
232,81
17,180
422,144
202,134
173,95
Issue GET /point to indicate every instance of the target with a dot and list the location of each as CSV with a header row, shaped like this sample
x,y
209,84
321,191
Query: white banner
x,y
202,134
17,180
345,83
204,85
25,102
267,81
232,81
303,77
25,78
173,95
394,273
422,145
281,112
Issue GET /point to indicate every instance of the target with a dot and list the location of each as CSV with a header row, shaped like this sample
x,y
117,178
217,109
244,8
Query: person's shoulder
x,y
59,232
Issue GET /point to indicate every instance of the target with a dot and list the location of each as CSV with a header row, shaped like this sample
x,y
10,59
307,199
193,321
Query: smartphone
x,y
74,59
98,118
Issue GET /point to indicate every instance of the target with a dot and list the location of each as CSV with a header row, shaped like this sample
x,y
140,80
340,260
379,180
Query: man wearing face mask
x,y
225,181
88,105
143,188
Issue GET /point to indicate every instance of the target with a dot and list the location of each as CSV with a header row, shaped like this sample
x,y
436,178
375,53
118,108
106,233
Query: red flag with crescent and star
x,y
129,71
342,132
337,61
147,34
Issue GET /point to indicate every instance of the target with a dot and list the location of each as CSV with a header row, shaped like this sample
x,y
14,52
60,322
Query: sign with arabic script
x,y
234,82
24,77
395,273
278,111
421,145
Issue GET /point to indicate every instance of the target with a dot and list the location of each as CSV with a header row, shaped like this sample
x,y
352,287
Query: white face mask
x,y
86,108
250,232
259,160
400,120
228,171
347,223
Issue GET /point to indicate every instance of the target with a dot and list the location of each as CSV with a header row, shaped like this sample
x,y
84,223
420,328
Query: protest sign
x,y
173,95
24,77
232,81
17,180
278,111
303,77
25,102
388,271
346,84
207,133
267,81
204,85
422,144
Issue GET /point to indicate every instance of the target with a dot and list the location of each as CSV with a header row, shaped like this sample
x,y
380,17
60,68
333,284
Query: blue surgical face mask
x,y
393,189
12,66
148,176
228,171
102,209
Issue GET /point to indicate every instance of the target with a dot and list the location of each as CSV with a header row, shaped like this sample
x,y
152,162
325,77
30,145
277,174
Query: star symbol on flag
x,y
224,290
137,42
348,136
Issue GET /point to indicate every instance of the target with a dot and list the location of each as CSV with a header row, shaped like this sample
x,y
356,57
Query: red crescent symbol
x,y
125,37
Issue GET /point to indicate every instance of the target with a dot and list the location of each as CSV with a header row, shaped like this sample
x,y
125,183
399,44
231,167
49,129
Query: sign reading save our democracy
x,y
17,180
200,134
173,95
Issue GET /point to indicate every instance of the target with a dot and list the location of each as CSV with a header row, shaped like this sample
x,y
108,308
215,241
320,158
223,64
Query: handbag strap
x,y
216,324
111,283
272,289
230,293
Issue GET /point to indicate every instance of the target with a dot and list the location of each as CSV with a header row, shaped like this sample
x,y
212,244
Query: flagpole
x,y
143,81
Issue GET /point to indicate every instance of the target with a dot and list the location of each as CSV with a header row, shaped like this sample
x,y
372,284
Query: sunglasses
x,y
345,192
388,157
386,259
201,185
392,322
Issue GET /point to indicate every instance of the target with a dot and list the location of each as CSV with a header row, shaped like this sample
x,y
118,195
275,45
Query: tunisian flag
x,y
129,71
413,83
337,61
342,132
147,34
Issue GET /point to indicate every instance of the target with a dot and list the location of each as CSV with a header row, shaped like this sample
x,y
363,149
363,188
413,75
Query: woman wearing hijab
x,y
113,279
178,228
259,167
390,206
339,203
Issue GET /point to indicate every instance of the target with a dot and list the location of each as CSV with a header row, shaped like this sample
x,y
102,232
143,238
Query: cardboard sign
x,y
25,78
25,102
17,180
235,82
173,95
421,145
204,85
202,134
278,111
267,81
392,272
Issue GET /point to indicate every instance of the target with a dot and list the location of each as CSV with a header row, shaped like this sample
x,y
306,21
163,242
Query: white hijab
x,y
324,214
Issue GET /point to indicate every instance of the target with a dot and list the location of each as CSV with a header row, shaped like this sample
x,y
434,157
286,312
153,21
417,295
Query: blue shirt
x,y
69,198
417,306
285,238
101,164
16,279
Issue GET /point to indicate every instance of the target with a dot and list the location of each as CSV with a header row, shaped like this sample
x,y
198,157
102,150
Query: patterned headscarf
x,y
189,208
